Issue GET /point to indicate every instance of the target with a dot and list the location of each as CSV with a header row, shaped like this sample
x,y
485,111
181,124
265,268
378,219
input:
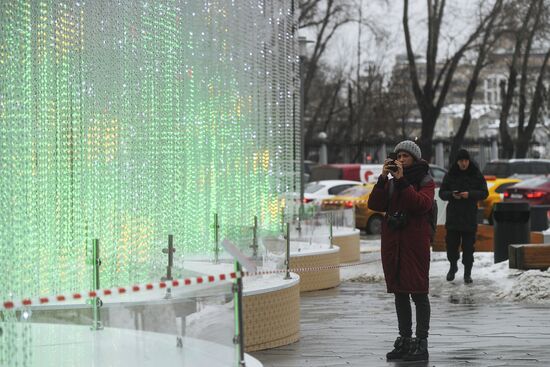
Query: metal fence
x,y
480,151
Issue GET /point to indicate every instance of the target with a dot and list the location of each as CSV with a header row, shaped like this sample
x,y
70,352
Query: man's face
x,y
405,158
463,164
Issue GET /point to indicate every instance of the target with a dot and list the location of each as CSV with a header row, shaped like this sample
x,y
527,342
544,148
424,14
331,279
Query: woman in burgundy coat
x,y
407,199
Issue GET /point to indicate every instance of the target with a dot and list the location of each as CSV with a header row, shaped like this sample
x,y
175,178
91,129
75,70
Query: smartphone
x,y
393,157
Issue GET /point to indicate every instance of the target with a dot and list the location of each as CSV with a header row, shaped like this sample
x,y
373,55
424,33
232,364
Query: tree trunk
x,y
459,136
429,118
522,146
525,136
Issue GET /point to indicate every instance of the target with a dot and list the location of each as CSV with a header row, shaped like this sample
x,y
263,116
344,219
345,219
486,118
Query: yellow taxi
x,y
496,188
357,197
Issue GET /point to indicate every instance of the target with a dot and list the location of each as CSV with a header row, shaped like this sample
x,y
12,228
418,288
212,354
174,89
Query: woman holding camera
x,y
407,199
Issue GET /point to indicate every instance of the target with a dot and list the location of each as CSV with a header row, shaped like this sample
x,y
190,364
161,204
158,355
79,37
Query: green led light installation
x,y
127,121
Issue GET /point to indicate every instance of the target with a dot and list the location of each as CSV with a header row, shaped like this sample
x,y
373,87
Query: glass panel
x,y
521,168
184,325
437,174
338,189
538,168
503,187
312,187
357,191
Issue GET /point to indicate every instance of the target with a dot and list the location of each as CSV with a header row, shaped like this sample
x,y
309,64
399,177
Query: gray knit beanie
x,y
409,147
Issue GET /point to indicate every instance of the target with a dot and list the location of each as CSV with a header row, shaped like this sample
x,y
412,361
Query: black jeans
x,y
454,239
404,314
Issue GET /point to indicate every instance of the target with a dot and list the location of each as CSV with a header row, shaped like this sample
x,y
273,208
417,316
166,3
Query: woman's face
x,y
405,158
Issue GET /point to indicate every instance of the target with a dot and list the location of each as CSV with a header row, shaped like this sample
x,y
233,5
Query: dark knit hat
x,y
409,147
462,154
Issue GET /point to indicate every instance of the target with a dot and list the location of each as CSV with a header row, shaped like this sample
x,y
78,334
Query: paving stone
x,y
355,325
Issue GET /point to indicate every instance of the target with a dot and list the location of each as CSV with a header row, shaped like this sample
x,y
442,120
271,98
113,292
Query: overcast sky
x,y
387,16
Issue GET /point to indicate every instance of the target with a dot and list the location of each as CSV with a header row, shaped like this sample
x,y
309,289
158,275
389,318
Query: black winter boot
x,y
452,272
418,351
401,346
468,274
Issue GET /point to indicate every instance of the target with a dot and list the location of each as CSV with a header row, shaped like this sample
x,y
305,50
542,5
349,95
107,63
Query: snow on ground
x,y
492,282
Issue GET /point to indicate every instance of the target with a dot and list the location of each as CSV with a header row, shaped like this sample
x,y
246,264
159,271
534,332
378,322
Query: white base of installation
x,y
55,345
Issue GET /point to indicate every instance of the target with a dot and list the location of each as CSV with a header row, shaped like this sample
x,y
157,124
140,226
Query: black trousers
x,y
454,239
404,314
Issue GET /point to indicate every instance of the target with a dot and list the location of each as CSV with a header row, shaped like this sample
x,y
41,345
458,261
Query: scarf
x,y
416,172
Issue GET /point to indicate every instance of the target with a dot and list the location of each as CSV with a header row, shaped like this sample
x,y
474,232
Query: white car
x,y
315,192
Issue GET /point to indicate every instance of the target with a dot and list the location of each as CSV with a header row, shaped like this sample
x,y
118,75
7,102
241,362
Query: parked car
x,y
496,188
502,168
315,192
357,197
437,174
535,191
366,173
307,169
337,171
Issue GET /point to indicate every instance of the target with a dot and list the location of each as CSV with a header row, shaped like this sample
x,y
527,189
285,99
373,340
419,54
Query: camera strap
x,y
391,190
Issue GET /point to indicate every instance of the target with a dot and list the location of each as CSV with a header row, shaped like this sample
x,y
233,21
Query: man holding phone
x,y
463,186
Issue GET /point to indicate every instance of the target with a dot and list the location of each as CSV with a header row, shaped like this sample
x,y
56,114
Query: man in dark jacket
x,y
407,199
463,187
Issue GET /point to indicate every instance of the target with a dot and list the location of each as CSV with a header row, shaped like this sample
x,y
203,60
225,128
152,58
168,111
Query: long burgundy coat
x,y
405,252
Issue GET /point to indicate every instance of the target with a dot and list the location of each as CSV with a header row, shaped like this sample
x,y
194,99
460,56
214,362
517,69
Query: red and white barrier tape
x,y
330,202
119,291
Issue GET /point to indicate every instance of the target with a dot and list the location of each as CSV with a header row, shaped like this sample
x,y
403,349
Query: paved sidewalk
x,y
355,325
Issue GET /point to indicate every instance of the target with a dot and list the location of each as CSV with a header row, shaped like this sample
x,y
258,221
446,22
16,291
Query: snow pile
x,y
491,281
532,286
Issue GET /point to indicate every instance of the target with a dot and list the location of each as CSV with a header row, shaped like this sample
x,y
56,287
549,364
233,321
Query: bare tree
x,y
401,98
430,97
528,23
363,97
324,17
325,105
522,35
483,47
525,134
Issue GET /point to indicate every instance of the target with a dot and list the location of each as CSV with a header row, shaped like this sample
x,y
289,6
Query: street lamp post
x,y
302,49
323,151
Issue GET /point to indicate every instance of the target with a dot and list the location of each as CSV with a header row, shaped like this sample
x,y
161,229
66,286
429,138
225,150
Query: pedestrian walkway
x,y
355,325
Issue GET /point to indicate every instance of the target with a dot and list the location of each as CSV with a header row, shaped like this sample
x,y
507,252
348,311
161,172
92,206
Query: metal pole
x,y
301,128
287,260
170,251
283,219
439,154
254,245
330,220
96,301
238,340
216,239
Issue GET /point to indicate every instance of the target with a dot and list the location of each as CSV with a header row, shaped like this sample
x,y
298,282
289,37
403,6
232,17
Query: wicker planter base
x,y
350,250
272,318
329,277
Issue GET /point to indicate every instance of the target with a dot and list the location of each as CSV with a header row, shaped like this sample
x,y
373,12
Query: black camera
x,y
397,220
392,166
